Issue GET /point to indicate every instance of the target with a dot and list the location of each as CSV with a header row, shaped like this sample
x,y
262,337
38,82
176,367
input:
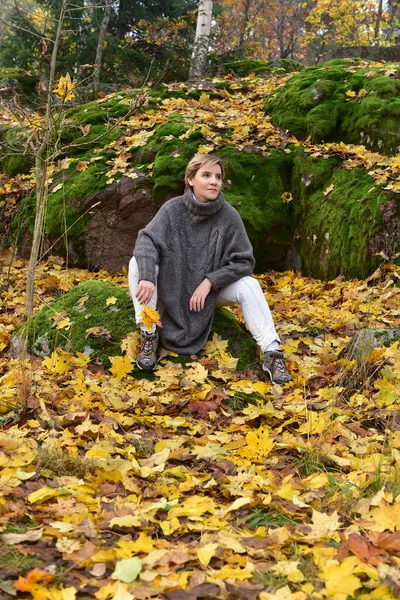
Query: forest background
x,y
138,32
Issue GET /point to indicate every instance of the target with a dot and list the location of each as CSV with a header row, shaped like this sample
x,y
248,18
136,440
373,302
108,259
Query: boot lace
x,y
146,345
277,362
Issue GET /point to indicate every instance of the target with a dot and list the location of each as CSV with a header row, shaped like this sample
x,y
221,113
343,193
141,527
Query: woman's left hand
x,y
199,296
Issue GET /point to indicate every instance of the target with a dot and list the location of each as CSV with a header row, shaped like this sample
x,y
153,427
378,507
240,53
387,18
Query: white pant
x,y
245,291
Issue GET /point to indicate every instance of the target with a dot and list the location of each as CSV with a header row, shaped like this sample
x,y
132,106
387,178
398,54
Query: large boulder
x,y
119,212
95,316
343,100
16,81
345,223
301,209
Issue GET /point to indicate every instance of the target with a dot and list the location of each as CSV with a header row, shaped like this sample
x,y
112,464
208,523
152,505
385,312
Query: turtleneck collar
x,y
202,209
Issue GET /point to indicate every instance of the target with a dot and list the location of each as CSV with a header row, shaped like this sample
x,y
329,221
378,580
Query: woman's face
x,y
207,183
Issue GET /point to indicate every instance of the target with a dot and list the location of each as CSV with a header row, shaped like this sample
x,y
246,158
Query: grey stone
x,y
365,340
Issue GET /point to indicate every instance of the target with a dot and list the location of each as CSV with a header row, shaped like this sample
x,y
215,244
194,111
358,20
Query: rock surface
x,y
97,325
365,340
342,100
124,208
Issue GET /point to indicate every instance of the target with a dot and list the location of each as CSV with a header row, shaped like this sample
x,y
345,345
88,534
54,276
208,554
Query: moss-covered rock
x,y
261,68
19,81
13,159
342,100
338,214
254,185
86,307
170,155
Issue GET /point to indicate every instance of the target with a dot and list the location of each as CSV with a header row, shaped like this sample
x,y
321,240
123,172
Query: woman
x,y
195,256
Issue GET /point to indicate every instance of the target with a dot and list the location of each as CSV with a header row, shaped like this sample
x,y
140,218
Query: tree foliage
x,y
294,28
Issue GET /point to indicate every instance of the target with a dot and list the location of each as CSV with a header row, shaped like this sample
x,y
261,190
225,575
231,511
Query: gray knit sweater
x,y
190,240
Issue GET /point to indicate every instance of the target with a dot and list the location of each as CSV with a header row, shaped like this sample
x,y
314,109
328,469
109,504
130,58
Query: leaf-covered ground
x,y
205,482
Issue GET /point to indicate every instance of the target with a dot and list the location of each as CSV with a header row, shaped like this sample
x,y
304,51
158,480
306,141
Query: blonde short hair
x,y
201,160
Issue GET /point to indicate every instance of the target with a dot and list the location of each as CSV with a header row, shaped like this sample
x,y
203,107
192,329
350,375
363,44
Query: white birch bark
x,y
201,41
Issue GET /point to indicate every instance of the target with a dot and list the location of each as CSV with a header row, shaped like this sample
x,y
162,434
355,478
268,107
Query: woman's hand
x,y
199,296
145,291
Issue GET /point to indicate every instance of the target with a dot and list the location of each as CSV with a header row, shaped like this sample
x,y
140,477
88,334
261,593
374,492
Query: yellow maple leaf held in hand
x,y
150,316
65,88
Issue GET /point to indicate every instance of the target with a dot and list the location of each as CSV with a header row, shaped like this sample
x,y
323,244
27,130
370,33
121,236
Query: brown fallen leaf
x,y
202,409
364,551
97,332
246,591
386,541
205,590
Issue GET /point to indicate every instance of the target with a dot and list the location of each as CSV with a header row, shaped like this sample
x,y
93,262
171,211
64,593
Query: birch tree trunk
x,y
201,41
42,160
100,47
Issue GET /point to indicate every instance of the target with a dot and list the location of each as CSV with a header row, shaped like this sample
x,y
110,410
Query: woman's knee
x,y
248,285
133,267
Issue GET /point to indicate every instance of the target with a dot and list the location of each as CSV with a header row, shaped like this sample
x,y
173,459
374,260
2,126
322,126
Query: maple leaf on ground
x,y
386,541
323,525
150,317
121,366
34,584
203,408
96,332
111,300
130,344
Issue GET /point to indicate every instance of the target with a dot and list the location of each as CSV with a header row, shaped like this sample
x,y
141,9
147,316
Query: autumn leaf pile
x,y
205,482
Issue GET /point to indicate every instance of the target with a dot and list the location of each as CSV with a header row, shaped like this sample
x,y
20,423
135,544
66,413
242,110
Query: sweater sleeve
x,y
148,247
238,259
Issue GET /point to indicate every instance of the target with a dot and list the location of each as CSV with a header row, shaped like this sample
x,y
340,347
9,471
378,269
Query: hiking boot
x,y
274,365
146,359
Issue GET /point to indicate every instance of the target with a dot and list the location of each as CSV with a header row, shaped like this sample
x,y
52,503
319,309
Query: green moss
x,y
333,230
117,105
118,319
314,103
13,161
170,155
240,400
288,65
254,185
67,205
240,344
243,68
27,81
99,135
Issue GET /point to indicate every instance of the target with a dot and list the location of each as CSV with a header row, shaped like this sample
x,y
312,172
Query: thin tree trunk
x,y
100,47
41,174
245,23
378,19
122,23
393,33
200,46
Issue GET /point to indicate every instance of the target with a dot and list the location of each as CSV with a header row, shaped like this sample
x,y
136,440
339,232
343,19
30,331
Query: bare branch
x,y
14,26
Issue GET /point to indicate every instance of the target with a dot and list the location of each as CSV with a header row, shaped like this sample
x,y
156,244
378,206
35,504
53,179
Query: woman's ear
x,y
190,182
